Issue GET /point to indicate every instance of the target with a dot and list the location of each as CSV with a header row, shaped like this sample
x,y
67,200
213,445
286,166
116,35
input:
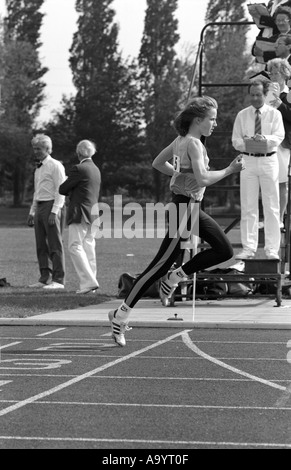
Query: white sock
x,y
177,276
123,312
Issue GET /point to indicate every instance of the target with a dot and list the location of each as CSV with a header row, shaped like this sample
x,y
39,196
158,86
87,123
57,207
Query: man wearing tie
x,y
47,214
257,132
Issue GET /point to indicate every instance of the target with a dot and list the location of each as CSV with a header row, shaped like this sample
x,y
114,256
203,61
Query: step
x,y
266,266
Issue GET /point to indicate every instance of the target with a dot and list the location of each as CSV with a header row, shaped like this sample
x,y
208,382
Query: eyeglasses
x,y
282,21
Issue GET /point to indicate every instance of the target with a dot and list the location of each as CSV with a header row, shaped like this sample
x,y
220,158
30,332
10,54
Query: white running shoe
x,y
118,328
166,290
245,254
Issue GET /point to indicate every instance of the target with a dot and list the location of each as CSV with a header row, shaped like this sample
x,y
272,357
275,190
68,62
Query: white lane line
x,y
51,332
134,377
147,441
170,358
85,376
158,405
187,340
284,398
9,345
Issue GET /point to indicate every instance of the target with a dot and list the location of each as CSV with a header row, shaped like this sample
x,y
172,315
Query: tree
x,y
106,108
22,32
22,90
160,79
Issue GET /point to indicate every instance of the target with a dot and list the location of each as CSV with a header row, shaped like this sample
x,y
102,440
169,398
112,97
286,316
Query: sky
x,y
59,25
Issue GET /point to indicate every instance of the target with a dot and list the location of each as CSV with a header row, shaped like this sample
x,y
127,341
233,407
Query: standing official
x,y
47,214
82,187
260,127
280,72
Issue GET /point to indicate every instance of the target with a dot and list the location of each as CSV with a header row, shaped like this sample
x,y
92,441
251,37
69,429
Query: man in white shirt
x,y
261,171
46,215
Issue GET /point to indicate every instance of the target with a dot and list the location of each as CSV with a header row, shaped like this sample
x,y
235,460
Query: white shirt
x,y
272,127
47,180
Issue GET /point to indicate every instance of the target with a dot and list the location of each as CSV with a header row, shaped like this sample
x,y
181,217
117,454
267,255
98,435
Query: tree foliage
x,y
24,20
106,102
160,78
226,59
22,92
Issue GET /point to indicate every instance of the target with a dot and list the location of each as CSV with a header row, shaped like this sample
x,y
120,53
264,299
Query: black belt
x,y
259,154
43,202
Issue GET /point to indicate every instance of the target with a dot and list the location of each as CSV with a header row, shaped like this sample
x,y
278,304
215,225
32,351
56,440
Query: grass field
x,y
18,264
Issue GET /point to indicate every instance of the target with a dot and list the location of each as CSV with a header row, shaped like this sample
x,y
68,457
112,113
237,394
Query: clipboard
x,y
254,146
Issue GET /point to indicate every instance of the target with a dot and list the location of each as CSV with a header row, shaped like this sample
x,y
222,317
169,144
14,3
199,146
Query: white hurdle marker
x,y
192,244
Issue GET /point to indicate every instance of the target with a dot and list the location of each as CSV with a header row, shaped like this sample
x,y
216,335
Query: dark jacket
x,y
285,110
83,187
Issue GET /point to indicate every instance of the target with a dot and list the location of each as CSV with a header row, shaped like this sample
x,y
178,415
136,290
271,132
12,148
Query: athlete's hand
x,y
238,164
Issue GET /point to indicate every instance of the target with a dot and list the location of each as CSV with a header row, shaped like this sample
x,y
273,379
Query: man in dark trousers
x,y
46,215
82,187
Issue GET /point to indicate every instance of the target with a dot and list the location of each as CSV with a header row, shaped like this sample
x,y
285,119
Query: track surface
x,y
73,388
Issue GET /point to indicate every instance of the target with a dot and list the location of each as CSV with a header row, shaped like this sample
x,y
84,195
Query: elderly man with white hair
x,y
47,214
82,187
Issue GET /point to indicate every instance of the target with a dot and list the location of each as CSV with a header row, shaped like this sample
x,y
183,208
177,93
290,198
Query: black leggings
x,y
220,248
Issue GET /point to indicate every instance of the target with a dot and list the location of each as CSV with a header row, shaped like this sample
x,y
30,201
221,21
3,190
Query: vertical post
x,y
194,244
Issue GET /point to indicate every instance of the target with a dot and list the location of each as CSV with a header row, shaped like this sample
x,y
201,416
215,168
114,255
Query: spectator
x,y
82,187
282,19
46,215
261,170
280,72
283,48
267,23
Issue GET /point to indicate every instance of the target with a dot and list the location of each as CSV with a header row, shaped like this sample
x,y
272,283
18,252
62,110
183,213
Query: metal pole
x,y
194,70
288,220
194,244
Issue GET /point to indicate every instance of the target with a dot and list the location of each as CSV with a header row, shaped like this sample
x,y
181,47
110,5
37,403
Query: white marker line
x,y
147,441
154,405
9,345
158,405
51,332
85,376
193,347
284,398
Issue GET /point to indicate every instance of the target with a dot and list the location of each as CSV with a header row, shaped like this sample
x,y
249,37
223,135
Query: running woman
x,y
190,175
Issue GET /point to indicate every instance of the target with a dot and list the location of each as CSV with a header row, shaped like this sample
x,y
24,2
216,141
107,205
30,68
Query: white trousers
x,y
283,159
82,251
260,172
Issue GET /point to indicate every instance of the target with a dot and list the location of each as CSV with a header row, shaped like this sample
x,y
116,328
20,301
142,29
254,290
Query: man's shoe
x,y
272,254
54,285
166,291
118,329
37,285
245,254
86,291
